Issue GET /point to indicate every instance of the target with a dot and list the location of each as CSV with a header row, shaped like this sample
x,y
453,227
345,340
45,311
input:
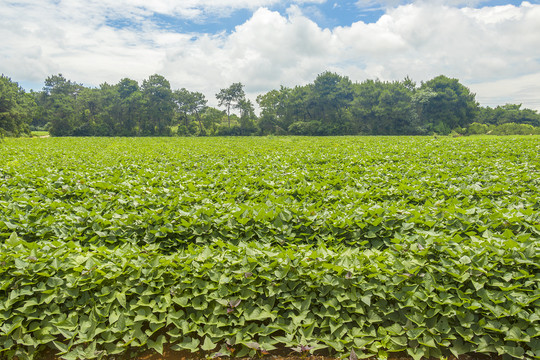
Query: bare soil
x,y
276,355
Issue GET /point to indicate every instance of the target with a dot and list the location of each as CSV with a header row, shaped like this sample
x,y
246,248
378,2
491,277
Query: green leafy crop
x,y
238,247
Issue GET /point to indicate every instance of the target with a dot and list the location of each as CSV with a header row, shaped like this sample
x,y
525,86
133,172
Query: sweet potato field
x,y
428,247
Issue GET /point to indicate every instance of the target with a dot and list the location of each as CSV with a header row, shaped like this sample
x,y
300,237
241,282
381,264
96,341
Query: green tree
x,y
272,102
131,104
273,106
247,116
59,101
230,98
363,114
331,96
393,111
158,106
190,103
298,104
420,100
17,108
452,106
280,108
509,113
88,113
110,119
211,118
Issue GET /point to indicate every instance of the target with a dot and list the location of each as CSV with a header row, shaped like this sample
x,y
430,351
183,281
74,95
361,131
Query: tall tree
x,y
276,110
110,119
247,116
331,96
211,118
382,108
59,100
419,102
394,110
131,105
509,113
230,97
366,99
298,103
59,85
452,106
158,105
17,108
190,103
88,117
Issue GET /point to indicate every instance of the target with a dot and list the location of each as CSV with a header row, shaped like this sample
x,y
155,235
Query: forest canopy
x,y
331,105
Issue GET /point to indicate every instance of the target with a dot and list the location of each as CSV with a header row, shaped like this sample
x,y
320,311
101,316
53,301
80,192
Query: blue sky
x,y
328,14
493,47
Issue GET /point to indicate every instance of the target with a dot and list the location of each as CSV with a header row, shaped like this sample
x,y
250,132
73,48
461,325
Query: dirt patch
x,y
169,354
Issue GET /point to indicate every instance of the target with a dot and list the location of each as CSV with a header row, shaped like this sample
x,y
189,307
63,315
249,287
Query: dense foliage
x,y
240,246
177,192
17,109
331,105
428,298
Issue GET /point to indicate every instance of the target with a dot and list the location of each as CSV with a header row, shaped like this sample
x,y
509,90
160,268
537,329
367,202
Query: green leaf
x,y
13,240
158,344
514,351
63,348
121,297
187,343
459,347
416,354
208,345
366,299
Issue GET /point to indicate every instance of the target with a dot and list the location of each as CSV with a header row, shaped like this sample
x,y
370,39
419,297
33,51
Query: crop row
x,y
354,191
243,246
428,299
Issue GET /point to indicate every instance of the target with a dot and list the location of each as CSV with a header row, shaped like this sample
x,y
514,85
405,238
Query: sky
x,y
492,47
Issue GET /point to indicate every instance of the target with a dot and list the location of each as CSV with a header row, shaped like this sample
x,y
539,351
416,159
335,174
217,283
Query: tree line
x,y
331,105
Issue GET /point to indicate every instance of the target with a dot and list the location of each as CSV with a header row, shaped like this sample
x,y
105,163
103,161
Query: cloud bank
x,y
495,50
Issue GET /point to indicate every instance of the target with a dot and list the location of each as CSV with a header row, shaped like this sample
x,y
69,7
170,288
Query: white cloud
x,y
187,9
494,50
265,52
519,90
395,3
